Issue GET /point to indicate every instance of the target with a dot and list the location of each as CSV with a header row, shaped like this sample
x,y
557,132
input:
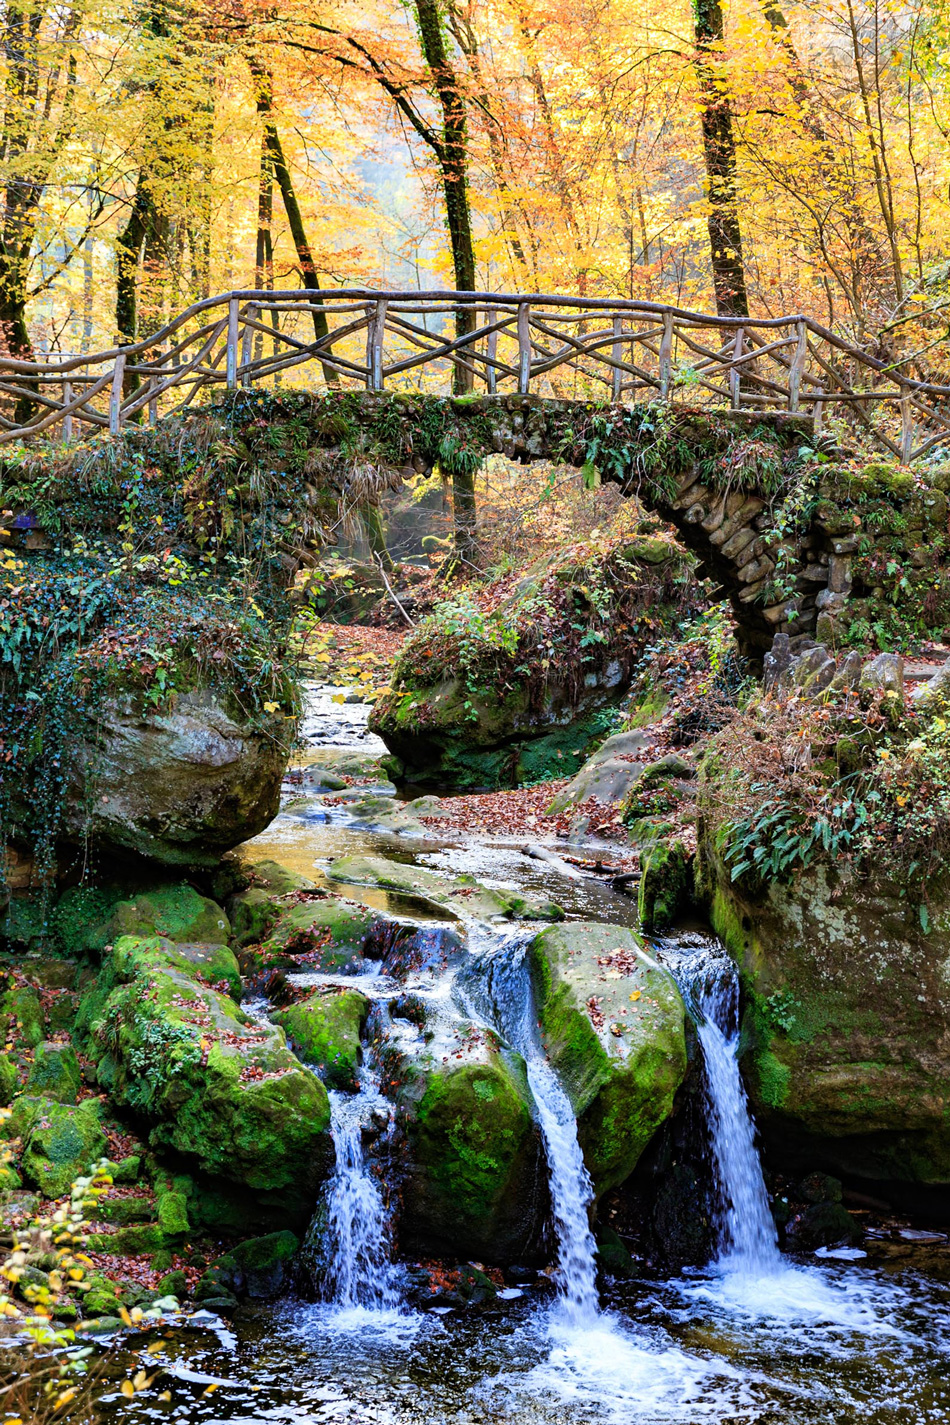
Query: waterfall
x,y
748,1242
502,990
349,1245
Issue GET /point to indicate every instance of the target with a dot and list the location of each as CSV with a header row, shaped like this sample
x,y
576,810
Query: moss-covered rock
x,y
612,1022
9,1080
324,1030
23,1012
254,910
474,1177
214,1085
55,1073
665,883
846,1025
327,933
60,1141
464,712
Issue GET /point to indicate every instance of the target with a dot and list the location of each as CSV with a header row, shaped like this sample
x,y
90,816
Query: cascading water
x,y
350,1234
359,1269
503,993
748,1241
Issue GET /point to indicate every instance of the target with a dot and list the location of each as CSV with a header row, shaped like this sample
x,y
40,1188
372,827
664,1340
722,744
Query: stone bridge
x,y
728,526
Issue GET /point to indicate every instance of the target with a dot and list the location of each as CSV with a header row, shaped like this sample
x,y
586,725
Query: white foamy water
x,y
360,1276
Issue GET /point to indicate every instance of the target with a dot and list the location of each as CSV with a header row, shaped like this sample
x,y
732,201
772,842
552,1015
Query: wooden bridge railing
x,y
555,346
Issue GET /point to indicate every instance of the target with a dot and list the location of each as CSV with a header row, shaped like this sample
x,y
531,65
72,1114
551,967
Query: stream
x,y
755,1336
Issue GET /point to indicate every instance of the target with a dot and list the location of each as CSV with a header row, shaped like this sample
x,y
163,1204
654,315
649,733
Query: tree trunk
x,y
372,522
719,151
278,165
453,161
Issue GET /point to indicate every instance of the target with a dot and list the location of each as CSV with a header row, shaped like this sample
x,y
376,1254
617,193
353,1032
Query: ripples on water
x,y
817,1346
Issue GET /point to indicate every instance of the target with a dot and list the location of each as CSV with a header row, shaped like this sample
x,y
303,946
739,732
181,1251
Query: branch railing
x,y
569,347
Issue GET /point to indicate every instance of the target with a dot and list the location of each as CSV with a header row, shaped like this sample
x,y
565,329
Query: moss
x,y
212,1084
22,1005
324,1029
468,1135
328,933
173,1214
9,1080
613,1025
55,1073
136,1240
61,1142
664,884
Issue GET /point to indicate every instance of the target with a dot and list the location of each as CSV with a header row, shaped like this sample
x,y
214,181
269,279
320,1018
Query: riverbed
x,y
756,1337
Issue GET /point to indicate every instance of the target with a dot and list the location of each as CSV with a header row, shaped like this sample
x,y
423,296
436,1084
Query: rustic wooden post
x,y
818,415
491,351
374,347
735,373
907,427
232,356
616,351
247,347
153,381
524,348
115,398
666,355
68,417
797,369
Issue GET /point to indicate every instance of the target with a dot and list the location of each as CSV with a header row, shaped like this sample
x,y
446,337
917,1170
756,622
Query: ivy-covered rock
x,y
218,1088
324,1030
515,684
612,1022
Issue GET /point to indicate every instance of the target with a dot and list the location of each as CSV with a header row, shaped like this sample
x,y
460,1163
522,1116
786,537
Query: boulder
x,y
215,1086
60,1142
612,1022
515,685
665,884
474,1174
327,934
324,1030
55,1073
846,1026
180,787
609,774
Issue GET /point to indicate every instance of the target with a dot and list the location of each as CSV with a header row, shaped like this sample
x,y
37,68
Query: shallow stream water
x,y
754,1337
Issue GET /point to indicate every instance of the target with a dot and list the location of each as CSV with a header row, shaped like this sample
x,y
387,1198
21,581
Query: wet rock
x,y
462,896
328,933
612,1022
609,774
845,1022
613,1257
822,1224
664,884
324,1030
474,1182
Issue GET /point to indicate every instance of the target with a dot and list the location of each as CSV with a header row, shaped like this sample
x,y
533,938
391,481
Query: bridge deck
x,y
440,341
